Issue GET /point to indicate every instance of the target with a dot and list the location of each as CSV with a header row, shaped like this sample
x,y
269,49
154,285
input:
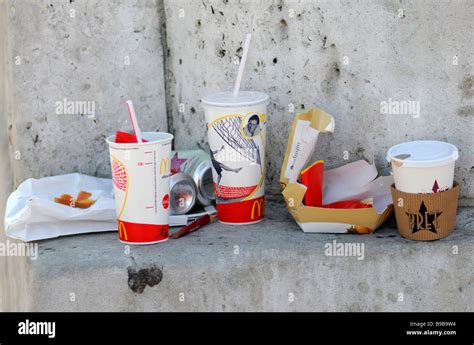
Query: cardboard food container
x,y
354,180
425,217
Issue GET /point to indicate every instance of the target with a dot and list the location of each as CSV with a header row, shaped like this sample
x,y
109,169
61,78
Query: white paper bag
x,y
32,214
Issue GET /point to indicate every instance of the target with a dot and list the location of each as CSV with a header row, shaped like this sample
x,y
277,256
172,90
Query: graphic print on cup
x,y
140,175
251,125
236,135
120,181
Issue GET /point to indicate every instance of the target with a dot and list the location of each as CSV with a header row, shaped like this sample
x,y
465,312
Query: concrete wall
x,y
102,52
298,55
4,172
94,51
346,57
13,270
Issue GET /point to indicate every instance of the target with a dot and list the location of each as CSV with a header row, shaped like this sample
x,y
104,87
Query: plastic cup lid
x,y
422,152
226,99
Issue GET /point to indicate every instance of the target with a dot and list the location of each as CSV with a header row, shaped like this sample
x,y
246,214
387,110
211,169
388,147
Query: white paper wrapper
x,y
31,213
357,180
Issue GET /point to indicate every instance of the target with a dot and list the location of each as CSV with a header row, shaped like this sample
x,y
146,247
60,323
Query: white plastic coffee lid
x,y
226,99
423,153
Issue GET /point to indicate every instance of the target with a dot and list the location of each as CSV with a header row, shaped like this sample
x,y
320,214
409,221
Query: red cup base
x,y
242,212
142,234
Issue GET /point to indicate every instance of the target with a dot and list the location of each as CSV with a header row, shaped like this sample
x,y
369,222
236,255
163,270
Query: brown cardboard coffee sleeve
x,y
425,217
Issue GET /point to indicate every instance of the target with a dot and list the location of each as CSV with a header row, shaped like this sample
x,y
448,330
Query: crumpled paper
x,y
357,181
31,213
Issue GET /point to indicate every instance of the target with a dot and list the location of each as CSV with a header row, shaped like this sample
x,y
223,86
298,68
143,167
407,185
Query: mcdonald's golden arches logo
x,y
257,204
165,166
122,228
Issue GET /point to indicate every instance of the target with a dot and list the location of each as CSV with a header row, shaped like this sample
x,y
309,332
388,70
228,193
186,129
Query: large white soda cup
x,y
140,175
423,166
236,130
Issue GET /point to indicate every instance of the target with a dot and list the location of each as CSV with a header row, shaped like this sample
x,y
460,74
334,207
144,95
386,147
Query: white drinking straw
x,y
242,65
133,118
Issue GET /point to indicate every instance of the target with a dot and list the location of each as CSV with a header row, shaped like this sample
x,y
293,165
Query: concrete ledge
x,y
271,266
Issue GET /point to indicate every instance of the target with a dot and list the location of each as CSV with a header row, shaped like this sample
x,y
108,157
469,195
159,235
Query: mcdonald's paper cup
x,y
236,133
140,175
423,166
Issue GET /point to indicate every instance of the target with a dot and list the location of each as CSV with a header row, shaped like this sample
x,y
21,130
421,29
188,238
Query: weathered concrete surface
x,y
5,172
298,55
100,52
13,270
103,52
275,263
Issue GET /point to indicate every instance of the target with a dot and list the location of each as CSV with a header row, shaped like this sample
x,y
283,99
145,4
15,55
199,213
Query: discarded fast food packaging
x,y
426,217
353,181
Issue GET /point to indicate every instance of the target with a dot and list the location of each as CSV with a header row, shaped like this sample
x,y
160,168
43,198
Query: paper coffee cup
x,y
423,166
236,130
140,175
